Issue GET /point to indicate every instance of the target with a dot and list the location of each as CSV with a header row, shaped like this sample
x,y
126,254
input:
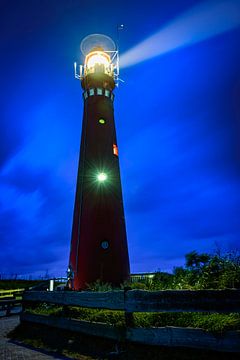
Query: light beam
x,y
202,22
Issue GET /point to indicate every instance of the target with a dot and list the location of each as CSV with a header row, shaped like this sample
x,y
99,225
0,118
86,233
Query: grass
x,y
110,317
217,323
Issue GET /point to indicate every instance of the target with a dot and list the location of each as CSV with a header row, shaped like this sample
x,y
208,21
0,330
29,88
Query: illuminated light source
x,y
101,57
97,58
101,121
115,149
102,177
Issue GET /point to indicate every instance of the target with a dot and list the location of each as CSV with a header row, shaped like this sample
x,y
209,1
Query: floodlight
x,y
101,177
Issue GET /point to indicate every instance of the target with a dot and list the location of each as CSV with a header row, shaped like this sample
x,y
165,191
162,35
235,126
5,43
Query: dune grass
x,y
213,322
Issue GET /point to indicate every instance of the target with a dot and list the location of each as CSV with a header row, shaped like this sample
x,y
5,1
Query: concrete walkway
x,y
12,351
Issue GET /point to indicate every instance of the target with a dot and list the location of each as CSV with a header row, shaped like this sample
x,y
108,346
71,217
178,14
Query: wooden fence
x,y
10,293
220,301
9,299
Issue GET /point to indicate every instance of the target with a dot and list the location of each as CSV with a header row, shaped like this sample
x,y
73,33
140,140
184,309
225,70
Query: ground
x,y
10,350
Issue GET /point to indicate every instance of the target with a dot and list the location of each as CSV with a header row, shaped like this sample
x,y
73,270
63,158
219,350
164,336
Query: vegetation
x,y
205,271
18,284
210,322
201,271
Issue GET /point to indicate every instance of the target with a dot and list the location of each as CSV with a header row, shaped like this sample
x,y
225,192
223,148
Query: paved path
x,y
11,351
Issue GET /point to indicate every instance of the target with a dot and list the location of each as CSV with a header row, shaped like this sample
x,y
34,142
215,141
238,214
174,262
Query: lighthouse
x,y
99,243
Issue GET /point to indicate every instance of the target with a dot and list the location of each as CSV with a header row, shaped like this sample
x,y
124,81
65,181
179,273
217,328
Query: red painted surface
x,y
115,149
99,243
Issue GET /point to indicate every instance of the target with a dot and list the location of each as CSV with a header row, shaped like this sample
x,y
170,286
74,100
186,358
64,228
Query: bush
x,y
206,321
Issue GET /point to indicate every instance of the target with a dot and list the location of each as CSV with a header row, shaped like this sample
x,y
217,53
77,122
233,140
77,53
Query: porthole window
x,y
107,93
99,91
105,245
102,121
91,92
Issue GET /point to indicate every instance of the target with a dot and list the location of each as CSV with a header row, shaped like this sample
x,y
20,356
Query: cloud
x,y
35,218
178,196
11,138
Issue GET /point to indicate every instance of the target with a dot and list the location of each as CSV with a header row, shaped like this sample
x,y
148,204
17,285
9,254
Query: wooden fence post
x,y
8,311
23,306
129,319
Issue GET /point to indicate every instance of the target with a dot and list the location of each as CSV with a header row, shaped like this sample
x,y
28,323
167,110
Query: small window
x,y
107,93
91,92
85,95
99,91
104,244
112,97
115,149
102,121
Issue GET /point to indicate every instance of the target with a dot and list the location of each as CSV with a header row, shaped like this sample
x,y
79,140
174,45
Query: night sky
x,y
178,127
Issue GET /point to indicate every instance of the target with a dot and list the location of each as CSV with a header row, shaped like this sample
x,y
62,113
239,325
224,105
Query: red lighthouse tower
x,y
99,243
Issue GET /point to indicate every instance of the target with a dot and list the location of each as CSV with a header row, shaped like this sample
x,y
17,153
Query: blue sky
x,y
178,127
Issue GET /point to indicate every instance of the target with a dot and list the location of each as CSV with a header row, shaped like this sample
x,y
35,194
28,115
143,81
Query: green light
x,y
101,121
102,177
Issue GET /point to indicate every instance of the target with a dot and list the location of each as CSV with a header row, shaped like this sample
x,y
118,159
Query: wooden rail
x,y
163,336
8,304
183,300
8,293
86,327
144,301
113,300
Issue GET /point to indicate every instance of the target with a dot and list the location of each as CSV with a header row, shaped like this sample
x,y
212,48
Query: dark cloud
x,y
28,180
10,226
34,239
26,250
11,138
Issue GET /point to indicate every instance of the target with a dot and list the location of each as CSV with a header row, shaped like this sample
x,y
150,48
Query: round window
x,y
102,121
105,244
